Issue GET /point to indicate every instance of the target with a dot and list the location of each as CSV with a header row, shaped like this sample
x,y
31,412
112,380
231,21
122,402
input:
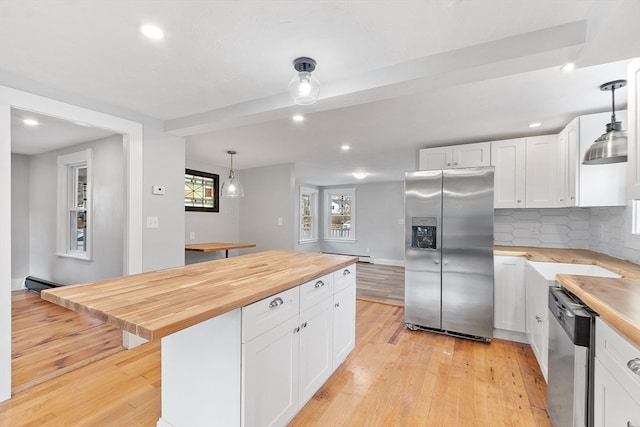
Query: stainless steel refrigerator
x,y
449,251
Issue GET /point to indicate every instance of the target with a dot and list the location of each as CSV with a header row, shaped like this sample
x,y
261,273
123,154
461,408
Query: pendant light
x,y
304,87
232,187
611,146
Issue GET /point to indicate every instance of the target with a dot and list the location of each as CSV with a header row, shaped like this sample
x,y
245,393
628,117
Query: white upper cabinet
x,y
568,164
457,156
541,180
633,128
508,158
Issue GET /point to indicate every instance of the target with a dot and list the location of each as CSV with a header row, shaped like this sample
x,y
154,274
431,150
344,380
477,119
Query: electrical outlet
x,y
192,235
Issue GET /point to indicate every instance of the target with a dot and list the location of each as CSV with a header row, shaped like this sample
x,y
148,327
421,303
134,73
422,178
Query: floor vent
x,y
36,284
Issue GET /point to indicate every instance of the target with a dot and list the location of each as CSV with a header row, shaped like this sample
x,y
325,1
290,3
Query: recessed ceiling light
x,y
152,32
30,122
568,67
298,118
535,125
360,175
345,147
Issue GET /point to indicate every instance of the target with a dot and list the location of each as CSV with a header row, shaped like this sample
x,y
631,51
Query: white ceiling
x,y
396,75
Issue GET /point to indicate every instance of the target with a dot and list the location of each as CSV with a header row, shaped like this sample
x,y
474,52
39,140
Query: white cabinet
x,y
616,381
287,354
589,185
456,156
541,181
537,317
508,158
633,128
509,296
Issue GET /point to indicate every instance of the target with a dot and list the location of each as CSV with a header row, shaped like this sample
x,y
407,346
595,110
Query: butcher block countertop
x,y
155,304
617,301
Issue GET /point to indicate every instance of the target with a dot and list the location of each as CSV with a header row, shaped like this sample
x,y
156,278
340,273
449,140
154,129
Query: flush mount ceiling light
x,y
231,188
152,32
611,146
304,87
360,175
30,122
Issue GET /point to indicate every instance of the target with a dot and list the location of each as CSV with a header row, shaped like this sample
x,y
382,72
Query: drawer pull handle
x,y
634,365
304,325
337,305
346,272
319,284
296,330
276,302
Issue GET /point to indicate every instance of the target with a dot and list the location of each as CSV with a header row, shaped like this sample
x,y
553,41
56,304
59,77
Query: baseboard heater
x,y
36,284
361,258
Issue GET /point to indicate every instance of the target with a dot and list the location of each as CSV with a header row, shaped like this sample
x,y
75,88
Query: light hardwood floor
x,y
380,283
394,377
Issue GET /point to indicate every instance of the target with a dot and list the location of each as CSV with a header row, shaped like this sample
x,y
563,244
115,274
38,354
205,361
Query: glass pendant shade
x,y
304,87
231,188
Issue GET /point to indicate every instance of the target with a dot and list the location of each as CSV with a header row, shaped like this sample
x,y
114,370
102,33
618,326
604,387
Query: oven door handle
x,y
562,309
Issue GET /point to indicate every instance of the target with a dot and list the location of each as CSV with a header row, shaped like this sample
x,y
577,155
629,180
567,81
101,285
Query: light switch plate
x,y
153,222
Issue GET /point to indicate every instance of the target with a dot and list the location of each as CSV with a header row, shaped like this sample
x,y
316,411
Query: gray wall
x,y
19,219
223,226
379,211
268,197
108,199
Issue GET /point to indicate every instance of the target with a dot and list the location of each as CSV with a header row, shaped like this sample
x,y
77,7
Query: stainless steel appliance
x,y
449,251
571,338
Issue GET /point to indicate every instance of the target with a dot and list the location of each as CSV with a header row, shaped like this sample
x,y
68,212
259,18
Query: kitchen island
x,y
230,327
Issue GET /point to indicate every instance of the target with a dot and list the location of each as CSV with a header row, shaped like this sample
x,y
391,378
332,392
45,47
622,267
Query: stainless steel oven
x,y
571,358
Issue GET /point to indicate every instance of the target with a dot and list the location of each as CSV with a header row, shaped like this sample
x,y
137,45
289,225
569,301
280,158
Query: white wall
x,y
379,209
223,226
19,220
268,197
108,215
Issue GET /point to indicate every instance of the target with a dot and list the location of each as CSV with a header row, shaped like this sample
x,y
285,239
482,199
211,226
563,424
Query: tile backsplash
x,y
598,229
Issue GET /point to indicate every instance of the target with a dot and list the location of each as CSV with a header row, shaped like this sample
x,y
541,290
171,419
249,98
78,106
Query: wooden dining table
x,y
217,246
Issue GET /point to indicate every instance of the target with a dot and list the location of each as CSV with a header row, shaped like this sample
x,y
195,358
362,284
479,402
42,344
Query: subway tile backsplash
x,y
599,229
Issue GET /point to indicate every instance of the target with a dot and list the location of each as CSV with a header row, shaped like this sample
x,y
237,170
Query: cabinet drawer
x,y
619,356
263,315
314,291
344,278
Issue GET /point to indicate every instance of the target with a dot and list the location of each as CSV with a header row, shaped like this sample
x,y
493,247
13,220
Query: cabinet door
x,y
633,129
508,158
472,155
536,293
436,158
316,345
613,405
542,172
572,142
509,300
270,376
344,324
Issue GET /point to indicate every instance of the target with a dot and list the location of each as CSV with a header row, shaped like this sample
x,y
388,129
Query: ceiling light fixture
x,y
232,187
304,87
298,118
152,32
535,125
360,175
611,146
568,67
30,122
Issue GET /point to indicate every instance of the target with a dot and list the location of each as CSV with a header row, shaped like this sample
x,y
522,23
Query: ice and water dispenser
x,y
424,231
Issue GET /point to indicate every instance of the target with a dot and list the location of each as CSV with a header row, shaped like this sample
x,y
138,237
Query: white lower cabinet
x,y
537,316
509,298
617,379
284,366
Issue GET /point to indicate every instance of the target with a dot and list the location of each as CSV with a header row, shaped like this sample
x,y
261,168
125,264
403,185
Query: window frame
x,y
313,194
328,192
67,203
216,191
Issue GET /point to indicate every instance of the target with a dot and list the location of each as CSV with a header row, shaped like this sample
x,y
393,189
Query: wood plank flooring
x,y
49,340
380,283
394,377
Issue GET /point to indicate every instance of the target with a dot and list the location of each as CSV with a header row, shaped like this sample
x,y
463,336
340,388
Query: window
x,y
201,191
340,220
74,205
308,215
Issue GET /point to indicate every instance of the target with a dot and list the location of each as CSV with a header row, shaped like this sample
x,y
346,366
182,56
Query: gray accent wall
x,y
19,219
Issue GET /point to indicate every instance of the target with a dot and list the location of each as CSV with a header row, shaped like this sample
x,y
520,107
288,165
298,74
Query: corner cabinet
x,y
616,379
258,365
456,156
